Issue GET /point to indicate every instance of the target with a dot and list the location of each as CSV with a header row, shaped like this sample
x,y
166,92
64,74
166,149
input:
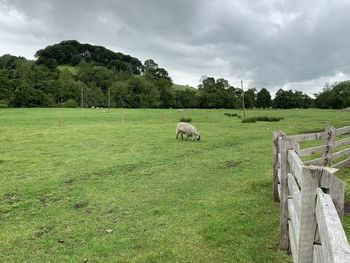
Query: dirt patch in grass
x,y
69,181
80,205
231,164
10,198
44,200
42,231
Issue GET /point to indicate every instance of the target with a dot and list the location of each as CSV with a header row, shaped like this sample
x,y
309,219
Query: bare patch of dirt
x,y
10,198
69,181
42,231
44,200
231,164
80,205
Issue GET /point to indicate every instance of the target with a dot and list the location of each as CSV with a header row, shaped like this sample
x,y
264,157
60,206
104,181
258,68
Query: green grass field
x,y
68,175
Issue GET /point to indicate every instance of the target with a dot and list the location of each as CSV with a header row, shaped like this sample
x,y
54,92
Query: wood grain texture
x,y
335,247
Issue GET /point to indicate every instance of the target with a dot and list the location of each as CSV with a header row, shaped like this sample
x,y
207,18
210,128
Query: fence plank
x,y
336,189
275,164
293,245
284,237
294,192
279,191
335,247
341,153
309,136
310,182
343,130
319,161
318,256
342,142
342,164
279,175
313,150
330,143
296,165
294,219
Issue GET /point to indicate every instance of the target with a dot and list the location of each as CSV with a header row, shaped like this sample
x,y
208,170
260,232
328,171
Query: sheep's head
x,y
198,137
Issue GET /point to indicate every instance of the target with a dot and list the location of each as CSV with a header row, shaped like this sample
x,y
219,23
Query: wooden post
x,y
310,182
284,237
330,142
275,166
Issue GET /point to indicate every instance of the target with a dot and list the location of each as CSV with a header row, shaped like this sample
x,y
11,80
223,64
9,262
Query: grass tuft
x,y
185,119
262,118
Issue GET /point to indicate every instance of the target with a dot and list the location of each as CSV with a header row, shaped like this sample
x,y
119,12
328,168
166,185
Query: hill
x,y
71,52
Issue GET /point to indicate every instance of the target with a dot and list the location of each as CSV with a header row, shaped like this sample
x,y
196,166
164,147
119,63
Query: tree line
x,y
96,76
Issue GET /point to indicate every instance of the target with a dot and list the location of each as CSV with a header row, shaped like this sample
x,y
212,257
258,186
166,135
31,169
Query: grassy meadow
x,y
80,185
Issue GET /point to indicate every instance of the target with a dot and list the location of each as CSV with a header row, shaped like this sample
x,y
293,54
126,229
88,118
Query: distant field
x,y
72,69
68,175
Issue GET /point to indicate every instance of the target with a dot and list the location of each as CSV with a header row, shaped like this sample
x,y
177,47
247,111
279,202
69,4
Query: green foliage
x,y
261,118
69,104
336,96
4,104
71,52
287,99
263,99
73,70
250,98
185,119
217,94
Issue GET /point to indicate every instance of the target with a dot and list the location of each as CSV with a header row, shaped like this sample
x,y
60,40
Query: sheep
x,y
188,129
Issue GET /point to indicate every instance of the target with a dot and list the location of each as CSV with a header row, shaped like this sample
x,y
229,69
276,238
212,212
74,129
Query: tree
x,y
250,98
263,99
336,96
289,99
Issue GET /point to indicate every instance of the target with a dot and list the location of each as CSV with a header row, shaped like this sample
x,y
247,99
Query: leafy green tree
x,y
69,88
336,96
287,99
263,99
250,98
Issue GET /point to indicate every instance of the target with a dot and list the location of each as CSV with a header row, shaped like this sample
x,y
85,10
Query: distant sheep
x,y
188,129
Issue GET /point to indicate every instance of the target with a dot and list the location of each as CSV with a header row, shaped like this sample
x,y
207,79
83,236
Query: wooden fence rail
x,y
311,197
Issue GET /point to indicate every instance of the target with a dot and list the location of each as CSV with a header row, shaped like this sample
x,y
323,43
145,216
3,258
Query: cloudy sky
x,y
290,44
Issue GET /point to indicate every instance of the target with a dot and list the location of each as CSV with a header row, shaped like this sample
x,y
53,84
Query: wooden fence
x,y
311,197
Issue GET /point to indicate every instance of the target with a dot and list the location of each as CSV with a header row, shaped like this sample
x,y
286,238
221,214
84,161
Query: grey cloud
x,y
261,41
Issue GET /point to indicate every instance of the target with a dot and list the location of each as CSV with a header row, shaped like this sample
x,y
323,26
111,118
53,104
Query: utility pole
x,y
243,107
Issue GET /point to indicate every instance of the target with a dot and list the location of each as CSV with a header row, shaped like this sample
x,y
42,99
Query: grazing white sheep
x,y
188,129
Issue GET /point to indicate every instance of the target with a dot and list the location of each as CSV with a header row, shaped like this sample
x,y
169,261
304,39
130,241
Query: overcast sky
x,y
272,44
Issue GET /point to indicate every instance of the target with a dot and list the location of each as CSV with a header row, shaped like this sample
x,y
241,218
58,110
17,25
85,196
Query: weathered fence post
x,y
284,236
311,179
275,166
330,142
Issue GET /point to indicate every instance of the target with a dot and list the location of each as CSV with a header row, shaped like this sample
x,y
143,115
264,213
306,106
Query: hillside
x,y
71,52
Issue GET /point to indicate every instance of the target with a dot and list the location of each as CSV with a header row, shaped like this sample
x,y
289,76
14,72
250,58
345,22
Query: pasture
x,y
80,185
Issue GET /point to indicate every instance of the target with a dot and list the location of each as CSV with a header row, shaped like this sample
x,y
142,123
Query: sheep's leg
x,y
182,136
177,134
